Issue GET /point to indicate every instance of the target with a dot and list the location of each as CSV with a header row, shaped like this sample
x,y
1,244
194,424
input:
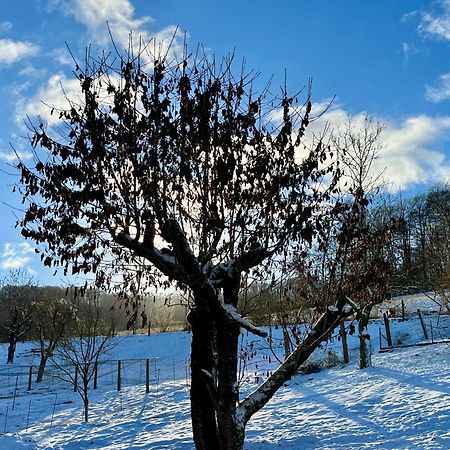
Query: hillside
x,y
403,402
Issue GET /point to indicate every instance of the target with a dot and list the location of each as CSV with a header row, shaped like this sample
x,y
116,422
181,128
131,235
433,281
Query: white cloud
x,y
62,56
14,263
121,17
15,255
13,51
437,25
410,153
13,156
56,93
13,249
32,72
441,91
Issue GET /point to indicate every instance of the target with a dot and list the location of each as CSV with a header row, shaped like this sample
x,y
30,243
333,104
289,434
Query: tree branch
x,y
232,314
319,333
252,258
166,264
172,232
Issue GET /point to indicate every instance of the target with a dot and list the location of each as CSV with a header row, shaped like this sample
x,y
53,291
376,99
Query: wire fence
x,y
255,363
413,330
111,374
150,380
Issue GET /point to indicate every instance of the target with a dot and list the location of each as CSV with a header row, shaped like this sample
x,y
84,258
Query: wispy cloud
x,y
5,26
16,255
14,156
437,24
441,91
408,50
32,72
13,51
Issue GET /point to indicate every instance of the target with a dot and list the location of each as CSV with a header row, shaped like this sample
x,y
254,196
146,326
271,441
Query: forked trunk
x,y
214,387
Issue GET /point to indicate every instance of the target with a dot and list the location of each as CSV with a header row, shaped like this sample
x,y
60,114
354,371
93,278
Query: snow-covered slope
x,y
403,402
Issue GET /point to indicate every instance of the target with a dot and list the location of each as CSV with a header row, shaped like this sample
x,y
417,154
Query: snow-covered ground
x,y
403,402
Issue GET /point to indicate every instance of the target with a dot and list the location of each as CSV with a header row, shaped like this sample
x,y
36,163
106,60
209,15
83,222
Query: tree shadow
x,y
420,381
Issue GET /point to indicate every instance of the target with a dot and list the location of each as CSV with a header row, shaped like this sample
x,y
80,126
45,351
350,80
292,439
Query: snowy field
x,y
403,402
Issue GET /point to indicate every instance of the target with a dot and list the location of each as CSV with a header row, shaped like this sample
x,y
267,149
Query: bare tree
x,y
78,355
443,289
51,321
358,147
17,293
186,170
420,249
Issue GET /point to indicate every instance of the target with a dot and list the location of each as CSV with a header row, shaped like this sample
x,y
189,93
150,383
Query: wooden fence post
x,y
118,376
403,310
343,334
424,328
388,330
147,376
30,376
95,374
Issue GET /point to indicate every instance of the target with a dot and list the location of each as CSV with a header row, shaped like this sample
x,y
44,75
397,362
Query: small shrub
x,y
329,359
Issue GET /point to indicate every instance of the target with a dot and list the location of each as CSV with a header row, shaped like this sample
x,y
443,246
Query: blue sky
x,y
388,58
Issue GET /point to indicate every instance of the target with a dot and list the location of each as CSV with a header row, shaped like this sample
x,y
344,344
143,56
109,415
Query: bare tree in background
x,y
17,293
51,322
358,147
78,355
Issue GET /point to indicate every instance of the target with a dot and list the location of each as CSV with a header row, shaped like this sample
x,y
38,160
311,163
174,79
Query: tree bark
x,y
11,349
343,334
86,400
41,369
203,418
214,359
231,432
365,356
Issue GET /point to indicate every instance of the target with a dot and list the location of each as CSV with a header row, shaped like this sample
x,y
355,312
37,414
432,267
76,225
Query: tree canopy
x,y
183,169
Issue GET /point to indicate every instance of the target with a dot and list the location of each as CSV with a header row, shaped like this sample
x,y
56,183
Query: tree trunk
x,y
214,364
204,424
86,400
11,349
41,368
287,342
365,356
231,432
343,334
